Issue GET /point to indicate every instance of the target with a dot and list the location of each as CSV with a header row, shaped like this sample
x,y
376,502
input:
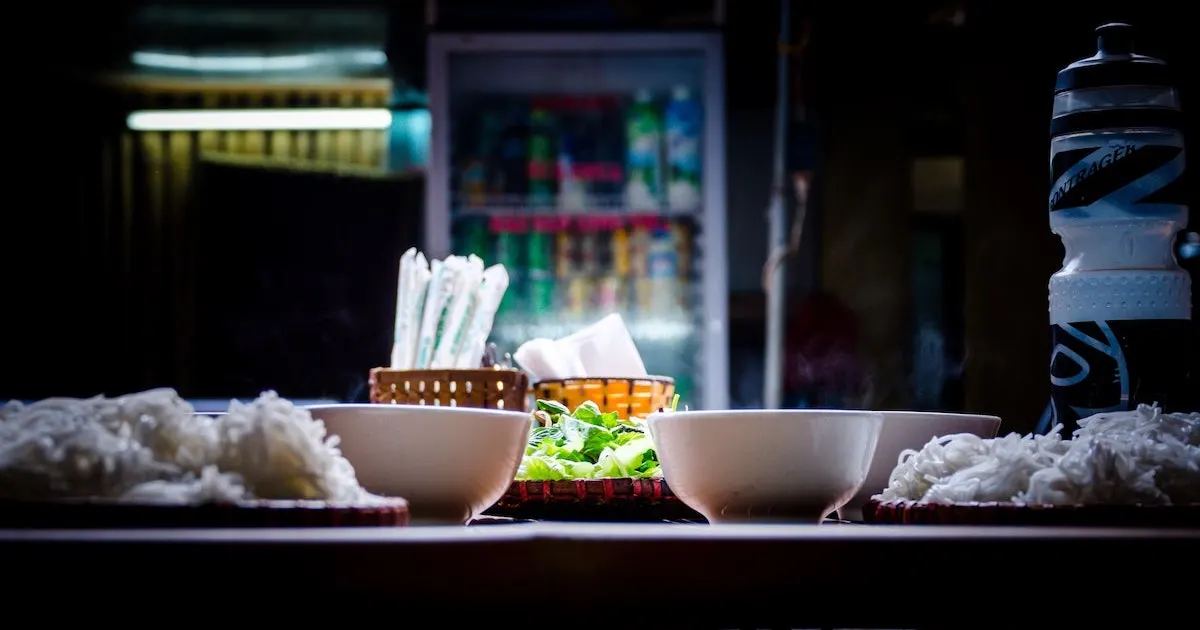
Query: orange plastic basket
x,y
484,388
626,396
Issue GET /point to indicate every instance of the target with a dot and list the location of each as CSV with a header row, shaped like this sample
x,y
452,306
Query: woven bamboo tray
x,y
606,500
913,513
485,388
626,396
97,514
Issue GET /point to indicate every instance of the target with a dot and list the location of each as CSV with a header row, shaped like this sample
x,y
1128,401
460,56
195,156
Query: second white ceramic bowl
x,y
449,463
765,465
911,430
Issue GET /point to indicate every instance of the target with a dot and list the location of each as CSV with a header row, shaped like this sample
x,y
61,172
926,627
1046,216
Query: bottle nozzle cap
x,y
1114,64
1114,38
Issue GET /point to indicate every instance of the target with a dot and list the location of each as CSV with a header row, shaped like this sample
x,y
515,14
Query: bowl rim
x,y
901,414
430,409
708,415
653,378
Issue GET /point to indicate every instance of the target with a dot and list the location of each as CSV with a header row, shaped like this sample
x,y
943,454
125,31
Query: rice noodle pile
x,y
151,447
1130,457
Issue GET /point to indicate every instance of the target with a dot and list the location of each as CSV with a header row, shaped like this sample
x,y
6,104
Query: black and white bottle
x,y
1120,307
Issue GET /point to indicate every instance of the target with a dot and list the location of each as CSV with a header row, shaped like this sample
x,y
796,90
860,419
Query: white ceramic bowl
x,y
449,463
911,429
759,465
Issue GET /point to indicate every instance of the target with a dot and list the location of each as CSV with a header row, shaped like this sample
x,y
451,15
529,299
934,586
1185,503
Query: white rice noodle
x,y
152,447
1142,456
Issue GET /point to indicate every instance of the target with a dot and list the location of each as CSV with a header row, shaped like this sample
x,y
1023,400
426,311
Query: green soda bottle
x,y
542,178
509,246
541,270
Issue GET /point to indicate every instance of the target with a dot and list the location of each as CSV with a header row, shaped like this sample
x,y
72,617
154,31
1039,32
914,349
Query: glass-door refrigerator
x,y
593,167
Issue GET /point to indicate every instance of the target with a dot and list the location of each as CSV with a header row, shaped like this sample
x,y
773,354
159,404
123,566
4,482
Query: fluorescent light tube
x,y
258,63
260,119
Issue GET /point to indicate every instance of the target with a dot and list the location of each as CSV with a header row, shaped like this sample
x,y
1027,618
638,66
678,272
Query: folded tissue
x,y
604,349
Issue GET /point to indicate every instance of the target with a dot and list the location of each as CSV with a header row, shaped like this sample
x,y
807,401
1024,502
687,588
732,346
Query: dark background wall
x,y
883,85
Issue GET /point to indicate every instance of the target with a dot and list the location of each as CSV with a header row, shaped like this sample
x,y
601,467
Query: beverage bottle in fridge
x,y
681,233
540,270
474,183
512,160
491,126
683,150
473,178
619,250
567,272
607,160
1120,308
664,273
639,265
474,237
589,246
572,190
644,159
584,139
609,241
542,159
583,282
508,235
565,255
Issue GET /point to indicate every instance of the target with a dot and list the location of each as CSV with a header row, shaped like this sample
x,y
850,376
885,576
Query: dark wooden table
x,y
626,576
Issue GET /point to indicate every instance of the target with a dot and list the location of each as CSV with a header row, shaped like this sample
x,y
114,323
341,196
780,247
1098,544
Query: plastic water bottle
x,y
644,130
683,122
1120,307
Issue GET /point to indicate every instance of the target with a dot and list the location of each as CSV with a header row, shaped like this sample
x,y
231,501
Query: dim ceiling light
x,y
258,63
259,119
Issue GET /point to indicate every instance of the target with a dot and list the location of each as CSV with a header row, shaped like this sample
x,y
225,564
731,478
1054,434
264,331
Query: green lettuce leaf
x,y
587,444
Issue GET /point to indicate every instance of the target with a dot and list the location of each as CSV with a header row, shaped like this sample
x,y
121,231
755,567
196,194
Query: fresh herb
x,y
586,444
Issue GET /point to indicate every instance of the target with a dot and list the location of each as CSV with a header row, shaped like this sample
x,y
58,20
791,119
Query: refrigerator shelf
x,y
583,222
530,211
664,330
593,205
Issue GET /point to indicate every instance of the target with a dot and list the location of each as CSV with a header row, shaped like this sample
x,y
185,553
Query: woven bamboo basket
x,y
603,500
484,388
104,514
626,396
1009,514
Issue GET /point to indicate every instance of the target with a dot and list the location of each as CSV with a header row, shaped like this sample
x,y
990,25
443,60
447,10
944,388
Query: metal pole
x,y
777,226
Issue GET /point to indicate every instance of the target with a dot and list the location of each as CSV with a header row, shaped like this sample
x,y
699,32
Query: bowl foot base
x,y
793,514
